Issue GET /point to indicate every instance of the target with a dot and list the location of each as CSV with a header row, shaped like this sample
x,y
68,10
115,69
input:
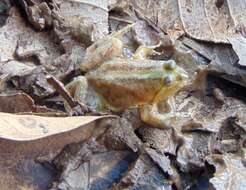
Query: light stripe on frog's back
x,y
123,75
119,64
124,89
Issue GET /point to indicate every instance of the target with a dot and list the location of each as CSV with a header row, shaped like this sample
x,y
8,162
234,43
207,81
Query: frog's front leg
x,y
150,114
78,89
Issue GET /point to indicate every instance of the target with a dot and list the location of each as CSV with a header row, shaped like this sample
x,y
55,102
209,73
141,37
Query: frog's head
x,y
174,79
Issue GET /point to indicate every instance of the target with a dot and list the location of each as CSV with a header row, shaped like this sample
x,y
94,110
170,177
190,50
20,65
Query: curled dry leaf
x,y
164,164
143,175
192,153
230,172
207,116
239,45
87,20
144,35
19,39
25,137
121,136
100,172
74,161
31,42
208,21
224,61
34,83
20,102
163,15
163,141
16,68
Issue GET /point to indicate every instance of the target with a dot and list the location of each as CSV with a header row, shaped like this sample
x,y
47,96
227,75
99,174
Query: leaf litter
x,y
44,146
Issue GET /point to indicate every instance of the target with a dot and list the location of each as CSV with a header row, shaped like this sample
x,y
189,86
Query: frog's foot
x,y
143,51
151,115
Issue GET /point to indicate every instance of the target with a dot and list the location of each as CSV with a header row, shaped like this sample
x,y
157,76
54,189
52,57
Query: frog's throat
x,y
168,91
120,33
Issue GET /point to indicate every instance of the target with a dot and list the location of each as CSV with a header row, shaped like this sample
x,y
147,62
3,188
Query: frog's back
x,y
124,84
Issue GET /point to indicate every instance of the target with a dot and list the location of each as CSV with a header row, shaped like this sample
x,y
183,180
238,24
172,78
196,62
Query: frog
x,y
113,81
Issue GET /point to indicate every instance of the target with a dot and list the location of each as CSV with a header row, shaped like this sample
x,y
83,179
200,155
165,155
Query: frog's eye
x,y
170,65
169,79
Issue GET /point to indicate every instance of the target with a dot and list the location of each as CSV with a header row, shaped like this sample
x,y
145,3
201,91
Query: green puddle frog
x,y
115,82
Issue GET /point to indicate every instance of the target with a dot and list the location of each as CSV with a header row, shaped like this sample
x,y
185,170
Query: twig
x,y
120,19
62,91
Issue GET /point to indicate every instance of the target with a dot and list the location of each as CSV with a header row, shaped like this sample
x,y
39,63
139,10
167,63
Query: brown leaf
x,y
163,14
29,127
19,102
17,32
239,45
26,137
223,60
203,20
230,172
16,68
87,20
143,175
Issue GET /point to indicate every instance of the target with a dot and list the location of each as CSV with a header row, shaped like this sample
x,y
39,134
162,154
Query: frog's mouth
x,y
169,91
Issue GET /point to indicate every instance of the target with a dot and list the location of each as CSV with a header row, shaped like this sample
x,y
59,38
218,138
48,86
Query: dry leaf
x,y
223,60
29,127
88,20
143,175
25,137
230,173
16,30
20,102
204,20
239,46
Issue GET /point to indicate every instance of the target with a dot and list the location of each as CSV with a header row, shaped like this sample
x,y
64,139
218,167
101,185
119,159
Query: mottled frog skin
x,y
115,82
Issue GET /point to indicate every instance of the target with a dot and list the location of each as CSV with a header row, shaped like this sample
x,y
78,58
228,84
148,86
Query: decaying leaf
x,y
99,172
238,15
229,172
192,153
224,61
163,14
239,45
206,115
231,137
16,29
204,20
19,102
143,175
163,141
121,136
16,68
87,20
21,42
34,83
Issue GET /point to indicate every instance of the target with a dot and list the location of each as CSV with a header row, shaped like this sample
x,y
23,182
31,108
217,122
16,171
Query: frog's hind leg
x,y
118,34
77,89
150,114
142,52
